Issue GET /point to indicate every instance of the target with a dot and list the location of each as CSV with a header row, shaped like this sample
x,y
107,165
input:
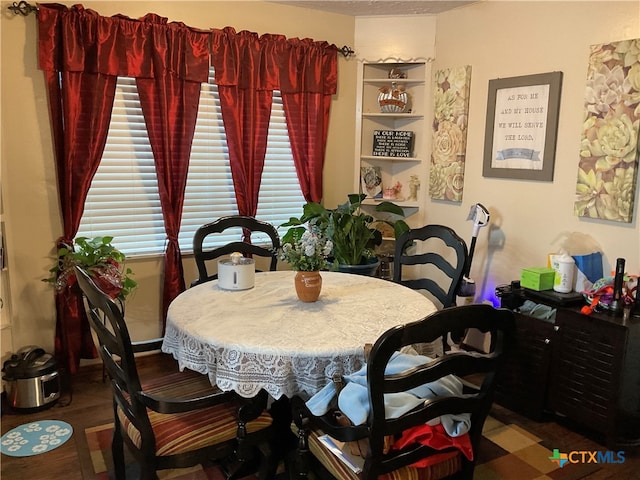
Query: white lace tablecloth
x,y
265,338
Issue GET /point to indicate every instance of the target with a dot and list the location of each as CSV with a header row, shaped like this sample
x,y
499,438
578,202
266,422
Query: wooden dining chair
x,y
176,420
248,225
442,256
404,446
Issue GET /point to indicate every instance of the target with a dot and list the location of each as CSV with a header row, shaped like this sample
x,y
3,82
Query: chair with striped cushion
x,y
178,420
420,441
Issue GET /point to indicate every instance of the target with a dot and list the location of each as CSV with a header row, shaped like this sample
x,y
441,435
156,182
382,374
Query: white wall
x,y
390,38
501,39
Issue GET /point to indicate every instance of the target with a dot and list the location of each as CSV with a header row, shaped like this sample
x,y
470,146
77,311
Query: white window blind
x,y
123,199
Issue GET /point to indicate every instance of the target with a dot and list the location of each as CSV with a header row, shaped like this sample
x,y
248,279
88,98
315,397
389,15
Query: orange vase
x,y
308,285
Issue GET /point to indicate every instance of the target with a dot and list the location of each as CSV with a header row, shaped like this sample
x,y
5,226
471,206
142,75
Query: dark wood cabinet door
x,y
523,383
585,371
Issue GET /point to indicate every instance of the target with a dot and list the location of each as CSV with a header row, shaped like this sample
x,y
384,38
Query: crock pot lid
x,y
18,368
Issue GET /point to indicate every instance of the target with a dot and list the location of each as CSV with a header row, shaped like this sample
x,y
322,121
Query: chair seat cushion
x,y
188,431
184,385
448,465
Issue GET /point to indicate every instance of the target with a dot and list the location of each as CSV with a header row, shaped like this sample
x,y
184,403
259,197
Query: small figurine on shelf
x,y
397,73
393,193
414,186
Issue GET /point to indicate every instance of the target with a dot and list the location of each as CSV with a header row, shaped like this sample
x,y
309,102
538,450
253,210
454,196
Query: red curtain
x,y
308,78
246,78
170,108
248,68
81,105
81,54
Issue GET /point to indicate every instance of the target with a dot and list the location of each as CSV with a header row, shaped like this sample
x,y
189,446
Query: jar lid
x,y
237,261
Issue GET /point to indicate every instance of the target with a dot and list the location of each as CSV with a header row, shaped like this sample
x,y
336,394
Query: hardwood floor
x,y
91,406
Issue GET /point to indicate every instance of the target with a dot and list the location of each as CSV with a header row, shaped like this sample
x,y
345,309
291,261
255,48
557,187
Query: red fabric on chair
x,y
443,468
435,437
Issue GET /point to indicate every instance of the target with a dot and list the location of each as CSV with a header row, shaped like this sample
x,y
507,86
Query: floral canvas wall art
x,y
451,110
608,165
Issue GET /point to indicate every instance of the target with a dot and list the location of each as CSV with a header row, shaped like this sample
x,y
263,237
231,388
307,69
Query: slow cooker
x,y
32,380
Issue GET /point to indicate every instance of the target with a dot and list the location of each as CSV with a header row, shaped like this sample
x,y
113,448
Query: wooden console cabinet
x,y
583,367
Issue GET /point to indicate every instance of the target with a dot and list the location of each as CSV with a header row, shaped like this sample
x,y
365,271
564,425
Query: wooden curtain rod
x,y
25,8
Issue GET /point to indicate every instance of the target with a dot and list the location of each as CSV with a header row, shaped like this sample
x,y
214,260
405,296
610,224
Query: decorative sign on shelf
x,y
392,143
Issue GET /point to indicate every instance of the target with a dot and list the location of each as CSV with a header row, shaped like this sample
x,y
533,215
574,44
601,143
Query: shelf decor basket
x,y
392,99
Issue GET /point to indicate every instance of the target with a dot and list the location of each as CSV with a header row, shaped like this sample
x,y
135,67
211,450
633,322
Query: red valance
x,y
309,67
80,40
273,62
122,46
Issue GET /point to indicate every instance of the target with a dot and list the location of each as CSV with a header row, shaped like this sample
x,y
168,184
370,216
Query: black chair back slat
x,y
116,351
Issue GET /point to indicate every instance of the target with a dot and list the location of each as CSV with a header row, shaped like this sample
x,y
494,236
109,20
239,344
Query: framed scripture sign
x,y
522,127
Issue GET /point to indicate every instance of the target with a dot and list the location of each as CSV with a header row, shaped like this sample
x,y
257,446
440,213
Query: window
x,y
123,199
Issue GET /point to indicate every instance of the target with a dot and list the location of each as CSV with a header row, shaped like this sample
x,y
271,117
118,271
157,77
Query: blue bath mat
x,y
35,438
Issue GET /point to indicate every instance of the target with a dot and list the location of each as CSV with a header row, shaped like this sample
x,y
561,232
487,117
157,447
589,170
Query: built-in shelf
x,y
405,81
401,169
403,204
391,115
390,159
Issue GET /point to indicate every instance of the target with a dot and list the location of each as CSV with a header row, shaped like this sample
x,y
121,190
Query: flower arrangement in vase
x,y
306,251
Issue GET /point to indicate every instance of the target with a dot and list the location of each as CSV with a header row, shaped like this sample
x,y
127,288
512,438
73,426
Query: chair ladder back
x,y
247,249
429,285
452,269
483,317
180,420
107,322
115,350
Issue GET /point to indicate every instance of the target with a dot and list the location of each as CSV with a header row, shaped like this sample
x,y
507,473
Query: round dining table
x,y
266,338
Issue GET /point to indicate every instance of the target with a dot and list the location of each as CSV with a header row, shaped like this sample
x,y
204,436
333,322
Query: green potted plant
x,y
351,230
103,261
